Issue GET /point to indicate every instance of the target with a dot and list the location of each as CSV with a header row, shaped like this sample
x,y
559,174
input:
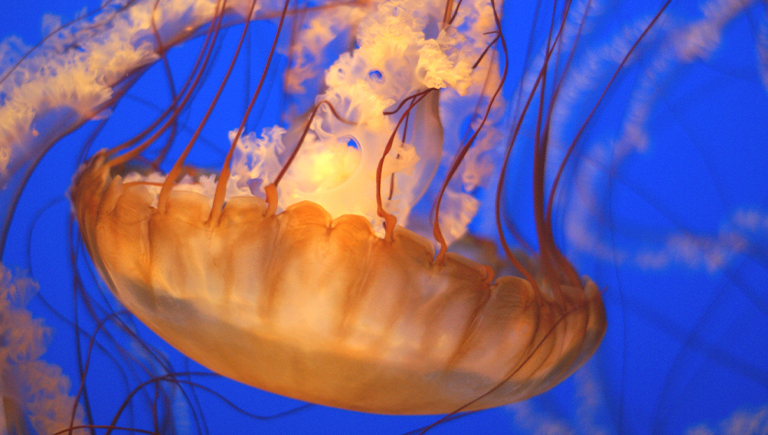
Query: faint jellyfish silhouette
x,y
669,219
33,392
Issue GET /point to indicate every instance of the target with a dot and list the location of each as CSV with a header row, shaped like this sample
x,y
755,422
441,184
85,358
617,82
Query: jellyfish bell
x,y
325,311
298,294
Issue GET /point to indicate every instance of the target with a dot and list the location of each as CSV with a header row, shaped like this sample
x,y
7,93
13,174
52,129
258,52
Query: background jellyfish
x,y
664,207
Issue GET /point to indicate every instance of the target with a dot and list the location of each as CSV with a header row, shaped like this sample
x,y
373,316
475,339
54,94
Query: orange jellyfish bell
x,y
323,310
316,293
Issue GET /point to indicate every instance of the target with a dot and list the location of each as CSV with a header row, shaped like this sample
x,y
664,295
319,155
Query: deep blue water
x,y
674,228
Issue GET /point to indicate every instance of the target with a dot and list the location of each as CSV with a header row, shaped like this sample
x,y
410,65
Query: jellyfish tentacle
x,y
271,197
175,172
390,220
55,31
191,84
564,265
304,135
221,186
436,231
271,189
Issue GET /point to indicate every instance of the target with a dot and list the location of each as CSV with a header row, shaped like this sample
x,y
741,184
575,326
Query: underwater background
x,y
670,220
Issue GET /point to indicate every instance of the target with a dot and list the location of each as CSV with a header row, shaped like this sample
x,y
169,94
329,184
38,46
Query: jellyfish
x,y
32,389
620,84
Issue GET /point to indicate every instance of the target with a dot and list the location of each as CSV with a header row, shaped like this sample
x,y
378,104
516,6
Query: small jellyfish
x,y
34,395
